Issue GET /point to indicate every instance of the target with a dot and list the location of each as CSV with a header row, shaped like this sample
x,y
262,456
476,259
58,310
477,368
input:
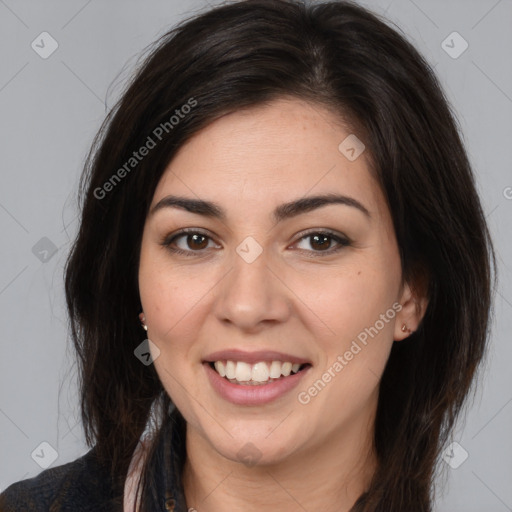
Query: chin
x,y
254,447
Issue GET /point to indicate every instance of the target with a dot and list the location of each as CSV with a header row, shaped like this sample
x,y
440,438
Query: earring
x,y
404,328
142,319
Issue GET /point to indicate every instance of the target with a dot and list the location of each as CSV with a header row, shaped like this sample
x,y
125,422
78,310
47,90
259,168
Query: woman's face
x,y
266,280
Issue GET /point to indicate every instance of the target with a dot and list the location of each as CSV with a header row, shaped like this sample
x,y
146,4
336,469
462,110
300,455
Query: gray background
x,y
50,110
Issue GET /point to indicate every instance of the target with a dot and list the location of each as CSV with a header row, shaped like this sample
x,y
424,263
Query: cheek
x,y
173,306
347,301
174,313
358,309
168,291
176,301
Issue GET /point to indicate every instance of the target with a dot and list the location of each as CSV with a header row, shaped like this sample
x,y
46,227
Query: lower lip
x,y
252,395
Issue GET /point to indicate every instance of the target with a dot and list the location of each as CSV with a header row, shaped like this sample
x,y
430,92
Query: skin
x,y
288,300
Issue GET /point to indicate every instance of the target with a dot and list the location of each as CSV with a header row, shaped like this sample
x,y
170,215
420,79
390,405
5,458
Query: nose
x,y
253,295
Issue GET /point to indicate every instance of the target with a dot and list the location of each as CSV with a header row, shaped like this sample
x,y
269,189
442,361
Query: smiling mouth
x,y
261,373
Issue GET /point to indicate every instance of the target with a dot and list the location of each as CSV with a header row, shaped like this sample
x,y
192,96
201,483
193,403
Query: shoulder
x,y
79,486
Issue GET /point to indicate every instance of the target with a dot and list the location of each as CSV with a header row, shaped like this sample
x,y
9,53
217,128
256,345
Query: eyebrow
x,y
281,212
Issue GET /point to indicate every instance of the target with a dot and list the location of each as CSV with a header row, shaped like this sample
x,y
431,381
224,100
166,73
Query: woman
x,y
281,285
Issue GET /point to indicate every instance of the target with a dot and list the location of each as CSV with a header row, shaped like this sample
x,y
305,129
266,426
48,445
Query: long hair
x,y
340,56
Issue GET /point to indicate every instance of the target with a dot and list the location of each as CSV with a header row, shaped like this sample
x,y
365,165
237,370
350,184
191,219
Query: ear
x,y
414,302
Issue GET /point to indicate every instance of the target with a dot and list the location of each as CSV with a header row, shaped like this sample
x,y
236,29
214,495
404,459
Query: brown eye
x,y
321,243
187,242
196,241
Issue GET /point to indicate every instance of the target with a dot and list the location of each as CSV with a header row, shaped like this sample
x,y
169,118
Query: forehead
x,y
270,154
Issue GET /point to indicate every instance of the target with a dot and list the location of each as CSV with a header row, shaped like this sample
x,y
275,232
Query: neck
x,y
328,477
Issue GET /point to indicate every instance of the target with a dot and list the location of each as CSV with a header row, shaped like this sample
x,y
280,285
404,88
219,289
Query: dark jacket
x,y
85,486
79,485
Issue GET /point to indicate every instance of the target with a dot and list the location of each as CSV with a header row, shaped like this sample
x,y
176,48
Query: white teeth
x,y
230,369
259,372
243,371
219,366
275,370
286,369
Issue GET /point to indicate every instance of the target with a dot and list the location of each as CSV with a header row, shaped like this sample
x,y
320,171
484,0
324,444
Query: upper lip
x,y
253,357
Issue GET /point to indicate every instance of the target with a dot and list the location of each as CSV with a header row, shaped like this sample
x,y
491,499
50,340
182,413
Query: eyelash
x,y
342,242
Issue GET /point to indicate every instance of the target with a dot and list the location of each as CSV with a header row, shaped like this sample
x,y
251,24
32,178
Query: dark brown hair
x,y
340,56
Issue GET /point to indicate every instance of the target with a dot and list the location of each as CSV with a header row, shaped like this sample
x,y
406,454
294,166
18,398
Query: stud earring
x,y
142,319
404,328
